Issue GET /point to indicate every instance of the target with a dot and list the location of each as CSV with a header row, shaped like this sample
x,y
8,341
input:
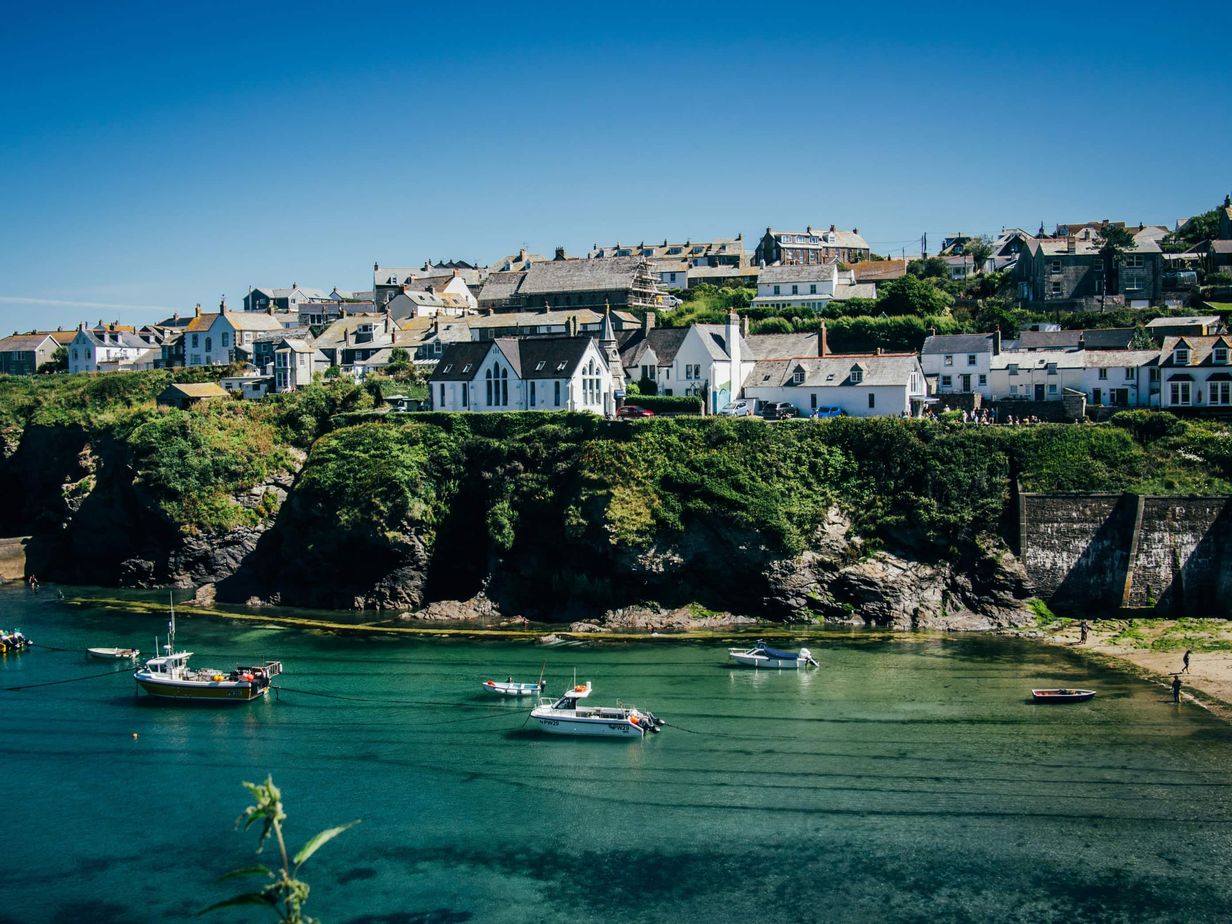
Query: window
x,y
466,394
1051,368
1054,267
225,339
448,368
532,394
1054,290
1103,375
1178,392
872,400
776,290
947,381
1013,368
557,389
1052,389
795,290
1129,374
970,359
1180,356
209,344
195,341
797,377
496,381
813,400
436,348
466,368
983,380
1154,376
857,375
1014,390
812,288
949,360
442,394
1219,392
1132,261
1220,354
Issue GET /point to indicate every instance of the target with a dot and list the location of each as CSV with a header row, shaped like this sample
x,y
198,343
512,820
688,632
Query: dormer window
x,y
1220,354
1180,356
1013,367
797,376
857,375
1051,368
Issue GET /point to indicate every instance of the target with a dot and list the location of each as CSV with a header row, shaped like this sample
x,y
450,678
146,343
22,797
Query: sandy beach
x,y
1155,648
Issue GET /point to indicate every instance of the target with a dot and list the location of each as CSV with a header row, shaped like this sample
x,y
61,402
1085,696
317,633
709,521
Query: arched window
x,y
488,385
209,344
504,386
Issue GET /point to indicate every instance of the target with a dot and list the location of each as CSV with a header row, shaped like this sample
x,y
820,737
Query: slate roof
x,y
251,320
598,275
1111,338
1038,359
544,357
818,272
878,369
500,287
1199,350
664,341
548,318
1112,359
957,343
842,238
459,356
714,338
1049,339
22,343
1207,319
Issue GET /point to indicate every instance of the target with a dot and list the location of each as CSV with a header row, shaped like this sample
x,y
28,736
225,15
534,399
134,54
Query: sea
x,y
908,778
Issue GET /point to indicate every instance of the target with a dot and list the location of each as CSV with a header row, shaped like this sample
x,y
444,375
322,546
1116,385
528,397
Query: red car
x,y
632,410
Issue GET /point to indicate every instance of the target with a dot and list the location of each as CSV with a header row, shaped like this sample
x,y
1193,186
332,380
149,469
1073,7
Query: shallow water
x,y
907,779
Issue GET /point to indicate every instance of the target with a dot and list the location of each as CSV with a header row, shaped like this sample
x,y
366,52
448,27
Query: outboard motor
x,y
807,657
653,724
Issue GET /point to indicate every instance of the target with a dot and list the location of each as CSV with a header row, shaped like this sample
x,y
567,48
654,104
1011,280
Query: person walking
x,y
1176,688
1185,661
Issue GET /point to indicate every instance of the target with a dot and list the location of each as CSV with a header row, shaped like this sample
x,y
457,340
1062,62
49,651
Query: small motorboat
x,y
1062,695
566,717
512,688
762,655
114,654
13,641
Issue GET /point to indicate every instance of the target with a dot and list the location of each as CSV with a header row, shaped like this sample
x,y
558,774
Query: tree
x,y
1114,242
1199,228
285,893
912,295
932,268
1141,340
979,249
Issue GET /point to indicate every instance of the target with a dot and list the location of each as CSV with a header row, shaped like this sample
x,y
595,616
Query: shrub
x,y
670,404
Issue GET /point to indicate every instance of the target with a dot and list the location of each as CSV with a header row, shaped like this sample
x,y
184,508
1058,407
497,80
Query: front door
x,y
1039,392
1096,395
966,383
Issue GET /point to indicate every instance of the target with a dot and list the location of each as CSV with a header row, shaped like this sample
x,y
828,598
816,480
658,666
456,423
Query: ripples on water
x,y
906,779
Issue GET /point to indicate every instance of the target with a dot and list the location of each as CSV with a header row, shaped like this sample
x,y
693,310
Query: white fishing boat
x,y
114,654
565,716
168,676
762,655
511,687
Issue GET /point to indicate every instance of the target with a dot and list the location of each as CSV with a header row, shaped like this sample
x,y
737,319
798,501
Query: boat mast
x,y
171,630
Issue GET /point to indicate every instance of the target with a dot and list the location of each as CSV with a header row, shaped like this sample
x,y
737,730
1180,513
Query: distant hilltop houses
x,y
601,331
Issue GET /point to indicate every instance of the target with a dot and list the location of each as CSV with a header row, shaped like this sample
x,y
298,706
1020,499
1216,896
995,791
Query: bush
x,y
1148,426
670,404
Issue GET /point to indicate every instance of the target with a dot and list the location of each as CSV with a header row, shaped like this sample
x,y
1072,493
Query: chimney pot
x,y
823,343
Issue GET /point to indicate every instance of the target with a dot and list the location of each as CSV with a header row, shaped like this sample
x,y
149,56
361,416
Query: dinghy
x,y
1062,695
512,688
114,654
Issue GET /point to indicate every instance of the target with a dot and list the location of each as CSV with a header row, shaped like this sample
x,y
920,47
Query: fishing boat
x,y
13,641
565,716
762,655
168,676
1062,695
114,654
511,687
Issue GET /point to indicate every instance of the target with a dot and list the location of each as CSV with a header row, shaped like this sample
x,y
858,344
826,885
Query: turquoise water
x,y
906,779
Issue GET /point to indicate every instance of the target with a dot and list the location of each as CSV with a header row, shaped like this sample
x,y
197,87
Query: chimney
x,y
823,344
522,254
744,325
571,325
932,332
855,230
346,337
1072,245
270,309
560,253
197,311
996,340
880,350
832,228
648,322
808,229
733,350
375,267
457,273
295,285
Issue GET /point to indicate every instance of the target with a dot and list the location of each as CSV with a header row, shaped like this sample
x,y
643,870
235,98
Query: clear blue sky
x,y
160,155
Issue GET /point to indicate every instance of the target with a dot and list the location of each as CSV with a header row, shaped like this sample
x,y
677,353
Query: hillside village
x,y
1066,324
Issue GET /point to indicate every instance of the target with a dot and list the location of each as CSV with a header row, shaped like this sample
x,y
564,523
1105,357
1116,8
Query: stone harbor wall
x,y
1109,552
13,558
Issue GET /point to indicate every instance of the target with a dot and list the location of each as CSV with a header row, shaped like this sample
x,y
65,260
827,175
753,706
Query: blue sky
x,y
159,155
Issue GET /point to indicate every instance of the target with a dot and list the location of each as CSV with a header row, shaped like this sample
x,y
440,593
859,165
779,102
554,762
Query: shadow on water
x,y
435,916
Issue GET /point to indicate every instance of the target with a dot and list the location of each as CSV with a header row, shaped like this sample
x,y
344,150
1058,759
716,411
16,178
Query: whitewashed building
x,y
958,364
1196,372
859,384
523,374
1121,378
295,363
707,360
1037,375
109,349
810,286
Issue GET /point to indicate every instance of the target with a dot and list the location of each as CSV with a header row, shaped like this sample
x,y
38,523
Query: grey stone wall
x,y
1103,552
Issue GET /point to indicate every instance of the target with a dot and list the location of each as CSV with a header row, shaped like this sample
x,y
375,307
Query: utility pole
x,y
924,246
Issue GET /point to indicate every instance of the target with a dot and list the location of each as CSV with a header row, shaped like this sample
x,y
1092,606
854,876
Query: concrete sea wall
x,y
1113,552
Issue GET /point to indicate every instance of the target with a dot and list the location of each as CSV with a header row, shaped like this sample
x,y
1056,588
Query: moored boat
x,y
565,716
168,676
511,687
1062,695
114,654
762,655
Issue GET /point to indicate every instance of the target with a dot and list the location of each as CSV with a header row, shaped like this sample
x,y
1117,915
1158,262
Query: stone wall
x,y
13,558
1104,552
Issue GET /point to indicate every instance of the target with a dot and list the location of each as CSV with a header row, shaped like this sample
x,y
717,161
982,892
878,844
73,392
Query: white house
x,y
107,349
1038,375
960,363
1121,378
860,384
523,374
223,337
708,360
1196,372
809,286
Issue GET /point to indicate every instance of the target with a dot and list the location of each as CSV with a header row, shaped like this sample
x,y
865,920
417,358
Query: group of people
x,y
1084,629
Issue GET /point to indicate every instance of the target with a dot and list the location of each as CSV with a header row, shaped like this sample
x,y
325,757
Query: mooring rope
x,y
52,683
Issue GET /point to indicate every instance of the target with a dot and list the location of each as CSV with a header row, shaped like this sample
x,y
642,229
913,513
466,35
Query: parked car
x,y
829,411
632,410
779,410
737,409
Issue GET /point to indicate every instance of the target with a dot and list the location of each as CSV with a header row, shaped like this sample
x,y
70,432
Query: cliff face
x,y
548,516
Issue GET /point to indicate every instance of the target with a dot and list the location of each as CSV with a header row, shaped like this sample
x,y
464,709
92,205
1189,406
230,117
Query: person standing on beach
x,y
1176,688
1185,669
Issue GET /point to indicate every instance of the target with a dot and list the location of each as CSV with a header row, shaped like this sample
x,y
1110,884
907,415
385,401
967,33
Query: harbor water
x,y
908,778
